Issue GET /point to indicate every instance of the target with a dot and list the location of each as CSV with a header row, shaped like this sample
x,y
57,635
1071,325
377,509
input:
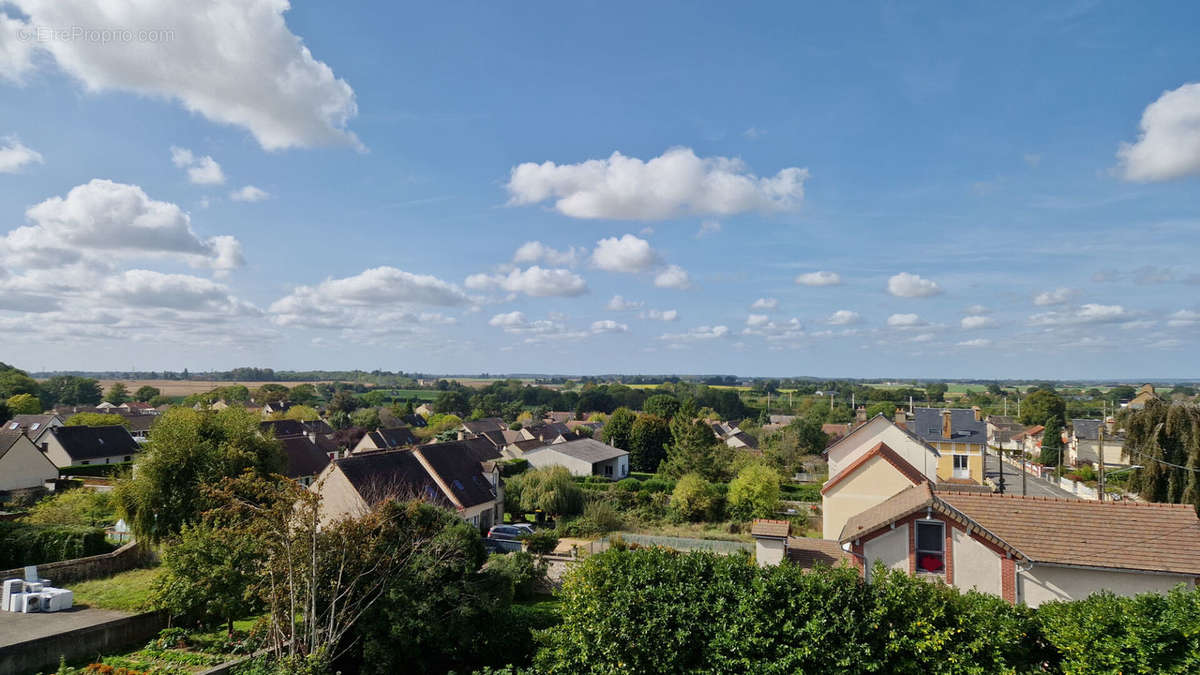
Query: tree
x,y
24,404
5,413
145,392
1052,444
270,392
117,394
344,402
661,405
620,424
695,449
82,508
208,573
451,402
648,441
72,390
549,489
187,450
14,381
754,492
694,498
367,418
936,391
1165,439
302,413
303,394
1040,406
96,420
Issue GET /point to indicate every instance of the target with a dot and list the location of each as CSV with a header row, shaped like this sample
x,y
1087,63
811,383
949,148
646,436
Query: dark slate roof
x,y
456,464
282,428
389,474
8,439
397,437
485,424
139,422
1089,430
92,442
479,447
531,444
750,441
318,427
586,449
304,458
963,426
414,420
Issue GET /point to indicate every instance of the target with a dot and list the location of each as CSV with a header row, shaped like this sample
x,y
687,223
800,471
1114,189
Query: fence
x,y
678,543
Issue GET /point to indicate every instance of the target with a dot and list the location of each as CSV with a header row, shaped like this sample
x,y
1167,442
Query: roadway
x,y
1034,486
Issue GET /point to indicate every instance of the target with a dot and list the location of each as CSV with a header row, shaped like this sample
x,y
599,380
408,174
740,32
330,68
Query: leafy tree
x,y
549,489
694,498
696,450
85,508
96,420
1040,406
5,413
1164,438
367,418
754,492
438,424
451,402
24,404
662,405
208,574
14,381
303,394
187,450
616,432
117,394
801,438
72,390
146,392
302,413
1052,445
648,441
270,392
936,391
344,402
1120,393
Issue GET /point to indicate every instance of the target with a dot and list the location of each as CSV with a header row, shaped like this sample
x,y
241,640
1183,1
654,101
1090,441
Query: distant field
x,y
189,387
422,394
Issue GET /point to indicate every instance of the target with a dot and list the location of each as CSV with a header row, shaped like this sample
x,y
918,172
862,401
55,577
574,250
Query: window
x,y
85,462
128,458
931,546
608,470
961,468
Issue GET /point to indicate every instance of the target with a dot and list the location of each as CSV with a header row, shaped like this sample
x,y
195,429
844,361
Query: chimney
x,y
978,413
1110,425
947,428
861,414
901,418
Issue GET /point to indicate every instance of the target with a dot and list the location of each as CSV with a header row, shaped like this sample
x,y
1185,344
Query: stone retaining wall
x,y
127,557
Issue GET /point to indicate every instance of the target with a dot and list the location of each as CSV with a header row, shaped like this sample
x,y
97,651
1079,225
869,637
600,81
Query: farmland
x,y
189,387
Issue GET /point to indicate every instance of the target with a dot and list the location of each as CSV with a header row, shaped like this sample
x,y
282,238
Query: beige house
x,y
1144,396
33,426
1085,440
870,464
386,439
22,465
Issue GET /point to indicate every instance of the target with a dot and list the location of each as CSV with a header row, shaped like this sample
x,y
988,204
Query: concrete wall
x,y
127,557
873,483
24,466
890,547
975,565
1045,584
43,654
769,551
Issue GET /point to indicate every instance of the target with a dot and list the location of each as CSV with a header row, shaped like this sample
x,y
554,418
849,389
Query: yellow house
x,y
960,437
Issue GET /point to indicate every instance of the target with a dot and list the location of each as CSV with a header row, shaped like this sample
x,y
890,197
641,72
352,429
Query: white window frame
x,y
965,470
919,551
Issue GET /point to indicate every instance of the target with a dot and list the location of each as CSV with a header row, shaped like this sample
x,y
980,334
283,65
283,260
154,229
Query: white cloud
x,y
627,188
249,193
843,317
819,279
975,322
757,320
1168,145
628,254
536,251
660,315
977,342
906,285
102,219
904,321
534,281
765,303
673,277
620,304
696,334
707,228
201,170
15,53
233,61
362,298
609,326
15,155
1058,296
977,310
1183,318
507,320
1089,313
754,133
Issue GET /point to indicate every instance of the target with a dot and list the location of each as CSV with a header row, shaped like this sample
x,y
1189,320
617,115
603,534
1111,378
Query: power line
x,y
1163,461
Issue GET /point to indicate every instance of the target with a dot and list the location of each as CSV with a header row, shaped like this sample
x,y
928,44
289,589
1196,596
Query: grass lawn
x,y
127,591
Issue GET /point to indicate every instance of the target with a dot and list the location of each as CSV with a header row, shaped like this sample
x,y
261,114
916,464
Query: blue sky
x,y
966,190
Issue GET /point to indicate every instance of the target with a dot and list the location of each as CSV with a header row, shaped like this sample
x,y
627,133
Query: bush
x,y
754,493
602,517
694,498
74,507
658,485
541,542
95,469
1085,472
520,569
513,467
26,544
630,484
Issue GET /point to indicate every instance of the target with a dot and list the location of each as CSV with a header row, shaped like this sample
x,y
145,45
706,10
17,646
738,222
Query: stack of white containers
x,y
32,594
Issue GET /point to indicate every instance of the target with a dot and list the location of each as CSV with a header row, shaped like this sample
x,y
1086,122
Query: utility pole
x,y
1101,453
1023,472
1006,406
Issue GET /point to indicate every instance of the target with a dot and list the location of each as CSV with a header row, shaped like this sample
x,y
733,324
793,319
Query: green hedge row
x,y
26,544
94,469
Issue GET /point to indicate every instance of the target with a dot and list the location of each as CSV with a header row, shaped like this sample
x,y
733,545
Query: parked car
x,y
510,531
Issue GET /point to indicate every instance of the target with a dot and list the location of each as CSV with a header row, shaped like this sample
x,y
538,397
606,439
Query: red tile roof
x,y
808,552
771,528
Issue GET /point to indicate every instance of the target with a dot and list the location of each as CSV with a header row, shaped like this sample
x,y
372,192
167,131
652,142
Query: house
x,y
273,407
281,428
574,425
741,439
424,410
869,465
583,457
835,431
33,426
22,465
447,474
960,436
304,458
386,439
136,407
414,420
1144,396
560,416
139,425
105,407
1000,432
70,446
1030,550
546,432
1084,442
476,427
1029,441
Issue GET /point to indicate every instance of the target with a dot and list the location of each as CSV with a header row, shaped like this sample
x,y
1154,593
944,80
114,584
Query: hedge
x,y
26,544
94,469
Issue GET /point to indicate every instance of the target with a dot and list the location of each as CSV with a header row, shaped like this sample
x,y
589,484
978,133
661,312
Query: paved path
x,y
1034,486
16,628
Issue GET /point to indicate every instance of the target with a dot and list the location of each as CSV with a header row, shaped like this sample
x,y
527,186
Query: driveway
x,y
1034,486
16,627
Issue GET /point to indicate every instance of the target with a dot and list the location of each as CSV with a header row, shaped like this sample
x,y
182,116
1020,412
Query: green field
x,y
405,394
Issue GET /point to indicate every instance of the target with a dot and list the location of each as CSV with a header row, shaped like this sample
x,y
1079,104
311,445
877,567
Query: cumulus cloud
x,y
1168,145
628,254
249,193
1058,296
200,170
233,61
620,304
697,334
906,285
15,155
843,317
673,276
537,252
609,326
904,321
757,320
360,299
660,315
507,320
1085,314
1183,318
534,281
821,278
708,228
765,303
977,310
103,218
977,342
628,188
974,322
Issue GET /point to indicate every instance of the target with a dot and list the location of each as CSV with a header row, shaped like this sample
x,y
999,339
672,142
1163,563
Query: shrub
x,y
694,498
26,544
1085,472
602,517
520,569
87,508
657,485
754,493
630,484
541,542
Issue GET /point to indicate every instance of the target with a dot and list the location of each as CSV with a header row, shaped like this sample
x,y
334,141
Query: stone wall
x,y
43,654
127,557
